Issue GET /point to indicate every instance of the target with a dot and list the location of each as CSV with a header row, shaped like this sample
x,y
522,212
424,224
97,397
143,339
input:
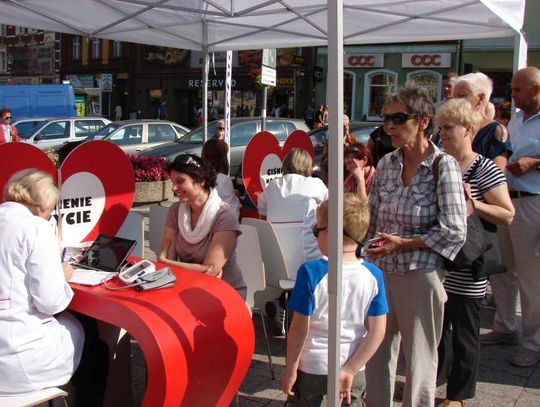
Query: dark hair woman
x,y
200,230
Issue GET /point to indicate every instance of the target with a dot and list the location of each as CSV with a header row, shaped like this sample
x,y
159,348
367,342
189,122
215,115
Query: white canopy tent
x,y
221,25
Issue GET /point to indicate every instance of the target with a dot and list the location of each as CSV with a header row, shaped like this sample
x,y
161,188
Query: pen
x,y
63,254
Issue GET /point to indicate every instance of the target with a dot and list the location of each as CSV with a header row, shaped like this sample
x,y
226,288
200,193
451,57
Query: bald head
x,y
526,90
530,74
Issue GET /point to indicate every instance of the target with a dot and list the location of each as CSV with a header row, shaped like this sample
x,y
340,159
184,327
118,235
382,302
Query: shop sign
x,y
268,76
106,83
80,105
217,59
81,80
363,61
285,82
426,60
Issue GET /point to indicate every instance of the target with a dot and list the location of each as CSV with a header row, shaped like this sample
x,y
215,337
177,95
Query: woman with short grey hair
x,y
418,219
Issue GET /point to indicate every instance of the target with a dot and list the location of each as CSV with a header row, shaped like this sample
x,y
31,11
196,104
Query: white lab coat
x,y
290,203
225,190
37,350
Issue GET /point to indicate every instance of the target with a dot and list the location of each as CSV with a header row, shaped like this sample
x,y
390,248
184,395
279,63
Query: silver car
x,y
55,132
134,136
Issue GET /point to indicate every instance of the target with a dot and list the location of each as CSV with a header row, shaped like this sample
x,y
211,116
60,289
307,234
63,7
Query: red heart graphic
x,y
110,165
20,156
103,160
264,146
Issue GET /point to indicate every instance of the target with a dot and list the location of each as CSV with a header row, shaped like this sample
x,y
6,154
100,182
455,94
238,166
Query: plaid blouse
x,y
435,213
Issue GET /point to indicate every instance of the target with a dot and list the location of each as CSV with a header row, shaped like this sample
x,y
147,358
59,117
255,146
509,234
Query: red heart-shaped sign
x,y
97,191
263,157
20,156
97,185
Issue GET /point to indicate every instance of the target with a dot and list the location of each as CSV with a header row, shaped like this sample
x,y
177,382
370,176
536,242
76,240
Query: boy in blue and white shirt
x,y
363,299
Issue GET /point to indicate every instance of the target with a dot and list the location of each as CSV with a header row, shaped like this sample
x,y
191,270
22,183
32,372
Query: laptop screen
x,y
107,253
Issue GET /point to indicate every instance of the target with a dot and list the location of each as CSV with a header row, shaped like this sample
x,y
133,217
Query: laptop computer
x,y
102,259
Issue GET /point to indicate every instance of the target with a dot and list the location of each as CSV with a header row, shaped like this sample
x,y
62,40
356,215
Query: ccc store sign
x,y
432,60
426,60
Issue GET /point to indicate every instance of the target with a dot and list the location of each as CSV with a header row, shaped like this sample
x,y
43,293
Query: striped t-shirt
x,y
486,176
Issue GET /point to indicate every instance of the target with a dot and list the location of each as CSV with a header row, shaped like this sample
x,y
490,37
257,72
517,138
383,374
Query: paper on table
x,y
90,277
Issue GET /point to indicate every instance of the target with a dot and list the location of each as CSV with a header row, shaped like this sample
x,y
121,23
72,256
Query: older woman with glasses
x,y
459,350
416,221
8,133
200,230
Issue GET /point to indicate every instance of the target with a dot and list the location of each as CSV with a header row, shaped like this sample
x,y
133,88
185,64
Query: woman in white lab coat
x,y
40,347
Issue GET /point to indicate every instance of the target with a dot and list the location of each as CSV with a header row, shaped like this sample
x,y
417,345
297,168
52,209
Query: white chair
x,y
133,228
277,274
34,398
249,258
156,226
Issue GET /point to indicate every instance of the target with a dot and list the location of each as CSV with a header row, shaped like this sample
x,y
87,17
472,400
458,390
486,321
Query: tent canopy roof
x,y
256,24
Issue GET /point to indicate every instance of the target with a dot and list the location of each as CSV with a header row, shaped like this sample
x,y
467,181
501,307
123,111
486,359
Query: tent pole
x,y
264,106
228,83
205,81
520,58
335,180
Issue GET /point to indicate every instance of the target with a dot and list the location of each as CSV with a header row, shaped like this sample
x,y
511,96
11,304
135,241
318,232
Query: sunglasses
x,y
7,118
398,118
186,159
317,230
221,128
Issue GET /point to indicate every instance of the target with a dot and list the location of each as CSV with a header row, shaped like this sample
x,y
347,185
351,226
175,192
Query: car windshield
x,y
26,129
105,131
196,136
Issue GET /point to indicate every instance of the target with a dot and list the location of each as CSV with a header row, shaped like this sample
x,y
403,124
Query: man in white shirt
x,y
520,242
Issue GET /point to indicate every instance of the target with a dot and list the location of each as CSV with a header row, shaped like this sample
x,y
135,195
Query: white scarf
x,y
205,221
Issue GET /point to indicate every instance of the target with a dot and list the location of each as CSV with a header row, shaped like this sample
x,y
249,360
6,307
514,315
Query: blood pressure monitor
x,y
136,271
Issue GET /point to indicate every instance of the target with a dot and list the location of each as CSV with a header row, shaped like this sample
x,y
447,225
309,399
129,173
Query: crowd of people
x,y
408,195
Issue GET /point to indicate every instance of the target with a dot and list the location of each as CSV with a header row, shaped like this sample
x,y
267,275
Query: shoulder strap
x,y
435,167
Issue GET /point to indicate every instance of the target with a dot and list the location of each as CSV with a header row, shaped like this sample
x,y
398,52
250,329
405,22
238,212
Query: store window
x,y
3,60
430,81
117,49
378,85
349,90
95,48
3,30
76,48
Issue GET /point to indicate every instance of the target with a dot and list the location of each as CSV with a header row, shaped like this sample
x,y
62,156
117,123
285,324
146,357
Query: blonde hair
x,y
478,83
459,111
355,217
490,110
32,187
297,161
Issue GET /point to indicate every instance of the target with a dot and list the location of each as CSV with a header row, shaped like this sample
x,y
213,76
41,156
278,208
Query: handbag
x,y
479,254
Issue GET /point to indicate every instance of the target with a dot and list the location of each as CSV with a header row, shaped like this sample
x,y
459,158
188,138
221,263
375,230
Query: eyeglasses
x,y
7,118
187,159
221,128
317,230
398,118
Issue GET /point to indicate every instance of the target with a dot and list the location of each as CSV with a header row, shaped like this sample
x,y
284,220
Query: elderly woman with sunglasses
x,y
417,221
200,230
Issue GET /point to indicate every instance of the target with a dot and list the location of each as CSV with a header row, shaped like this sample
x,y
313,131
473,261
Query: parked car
x,y
242,130
319,138
54,132
134,136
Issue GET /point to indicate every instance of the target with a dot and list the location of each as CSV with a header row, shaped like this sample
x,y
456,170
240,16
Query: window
x,y
379,84
54,131
278,129
117,49
242,133
160,132
95,48
430,81
25,30
179,130
76,48
127,135
84,128
3,30
3,60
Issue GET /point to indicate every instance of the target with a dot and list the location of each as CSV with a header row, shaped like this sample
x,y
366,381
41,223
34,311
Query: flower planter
x,y
152,191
